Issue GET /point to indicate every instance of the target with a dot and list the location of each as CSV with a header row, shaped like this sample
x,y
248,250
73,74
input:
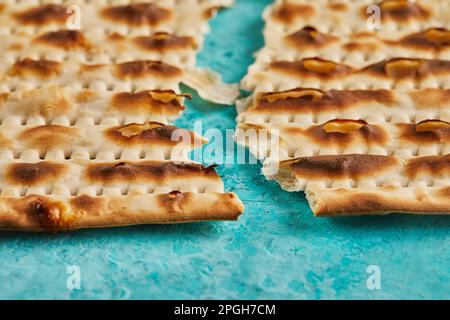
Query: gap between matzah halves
x,y
85,130
358,120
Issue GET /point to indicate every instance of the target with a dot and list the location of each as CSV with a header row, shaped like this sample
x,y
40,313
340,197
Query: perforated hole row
x,y
99,191
107,154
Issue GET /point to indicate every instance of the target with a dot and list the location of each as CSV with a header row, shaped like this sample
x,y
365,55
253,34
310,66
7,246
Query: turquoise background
x,y
276,251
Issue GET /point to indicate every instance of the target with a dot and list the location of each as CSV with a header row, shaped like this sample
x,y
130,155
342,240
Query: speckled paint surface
x,y
276,251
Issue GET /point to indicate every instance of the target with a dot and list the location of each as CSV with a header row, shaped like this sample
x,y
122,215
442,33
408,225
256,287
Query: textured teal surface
x,y
276,251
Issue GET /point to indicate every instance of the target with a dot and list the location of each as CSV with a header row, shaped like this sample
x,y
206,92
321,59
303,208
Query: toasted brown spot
x,y
4,142
432,125
413,133
354,204
434,38
351,202
48,103
175,202
33,174
401,68
149,133
341,167
288,12
309,37
146,171
444,192
312,67
52,215
426,132
141,69
163,41
346,133
86,204
316,101
209,13
401,11
65,39
148,102
363,47
44,14
337,6
344,126
138,14
434,166
2,7
49,137
431,98
42,68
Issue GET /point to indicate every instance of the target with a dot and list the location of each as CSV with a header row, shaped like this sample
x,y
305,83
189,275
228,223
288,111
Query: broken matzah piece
x,y
85,133
62,196
356,184
355,117
71,159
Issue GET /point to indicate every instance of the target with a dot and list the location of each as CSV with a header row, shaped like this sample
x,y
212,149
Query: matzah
x,y
346,17
357,50
48,196
113,33
396,73
85,116
358,119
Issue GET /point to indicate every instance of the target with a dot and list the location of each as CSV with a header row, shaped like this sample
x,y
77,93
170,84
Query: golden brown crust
x,y
313,100
140,69
48,136
44,14
148,101
162,41
400,11
34,174
57,214
288,12
309,37
428,167
411,132
151,133
341,166
383,201
64,39
430,39
137,14
141,172
325,69
366,135
43,69
395,69
438,98
407,68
